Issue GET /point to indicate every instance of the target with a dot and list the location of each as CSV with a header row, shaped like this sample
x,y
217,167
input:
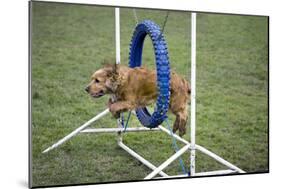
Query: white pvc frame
x,y
192,146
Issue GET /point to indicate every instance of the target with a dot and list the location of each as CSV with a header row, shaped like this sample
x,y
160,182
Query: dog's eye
x,y
97,81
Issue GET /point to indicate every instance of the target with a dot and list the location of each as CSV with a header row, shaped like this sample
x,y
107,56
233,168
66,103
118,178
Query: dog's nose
x,y
87,89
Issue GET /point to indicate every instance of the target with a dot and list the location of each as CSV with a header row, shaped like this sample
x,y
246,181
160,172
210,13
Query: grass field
x,y
69,42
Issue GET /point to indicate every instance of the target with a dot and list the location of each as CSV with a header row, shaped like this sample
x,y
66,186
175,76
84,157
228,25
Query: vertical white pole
x,y
117,47
117,35
193,94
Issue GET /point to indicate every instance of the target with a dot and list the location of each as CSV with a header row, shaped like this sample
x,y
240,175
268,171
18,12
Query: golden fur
x,y
136,87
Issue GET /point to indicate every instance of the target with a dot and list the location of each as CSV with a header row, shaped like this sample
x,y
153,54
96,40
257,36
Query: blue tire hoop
x,y
163,70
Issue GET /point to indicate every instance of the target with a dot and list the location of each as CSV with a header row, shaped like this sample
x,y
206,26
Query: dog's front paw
x,y
114,110
110,102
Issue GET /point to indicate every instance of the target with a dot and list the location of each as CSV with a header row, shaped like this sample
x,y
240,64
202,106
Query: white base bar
x,y
218,172
141,159
76,131
172,176
167,162
209,173
218,158
114,130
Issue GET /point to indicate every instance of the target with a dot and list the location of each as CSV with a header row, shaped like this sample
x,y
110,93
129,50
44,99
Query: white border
x,y
229,6
13,95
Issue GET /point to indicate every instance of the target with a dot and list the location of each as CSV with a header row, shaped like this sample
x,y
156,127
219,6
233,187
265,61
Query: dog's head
x,y
103,81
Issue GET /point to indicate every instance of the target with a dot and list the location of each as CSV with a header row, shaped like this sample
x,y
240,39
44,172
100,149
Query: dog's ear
x,y
115,74
111,84
112,74
112,70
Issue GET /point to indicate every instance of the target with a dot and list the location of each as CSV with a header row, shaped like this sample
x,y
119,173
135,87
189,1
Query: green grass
x,y
69,42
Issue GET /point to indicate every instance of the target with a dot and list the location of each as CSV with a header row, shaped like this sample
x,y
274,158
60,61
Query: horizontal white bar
x,y
76,131
167,162
218,172
114,130
141,159
218,158
161,127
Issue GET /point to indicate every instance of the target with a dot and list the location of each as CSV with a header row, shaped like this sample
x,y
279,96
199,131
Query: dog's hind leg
x,y
176,124
180,123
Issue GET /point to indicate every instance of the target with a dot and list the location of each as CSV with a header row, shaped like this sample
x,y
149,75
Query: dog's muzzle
x,y
96,95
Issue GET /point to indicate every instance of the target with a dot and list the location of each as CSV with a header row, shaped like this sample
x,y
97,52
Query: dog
x,y
137,87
